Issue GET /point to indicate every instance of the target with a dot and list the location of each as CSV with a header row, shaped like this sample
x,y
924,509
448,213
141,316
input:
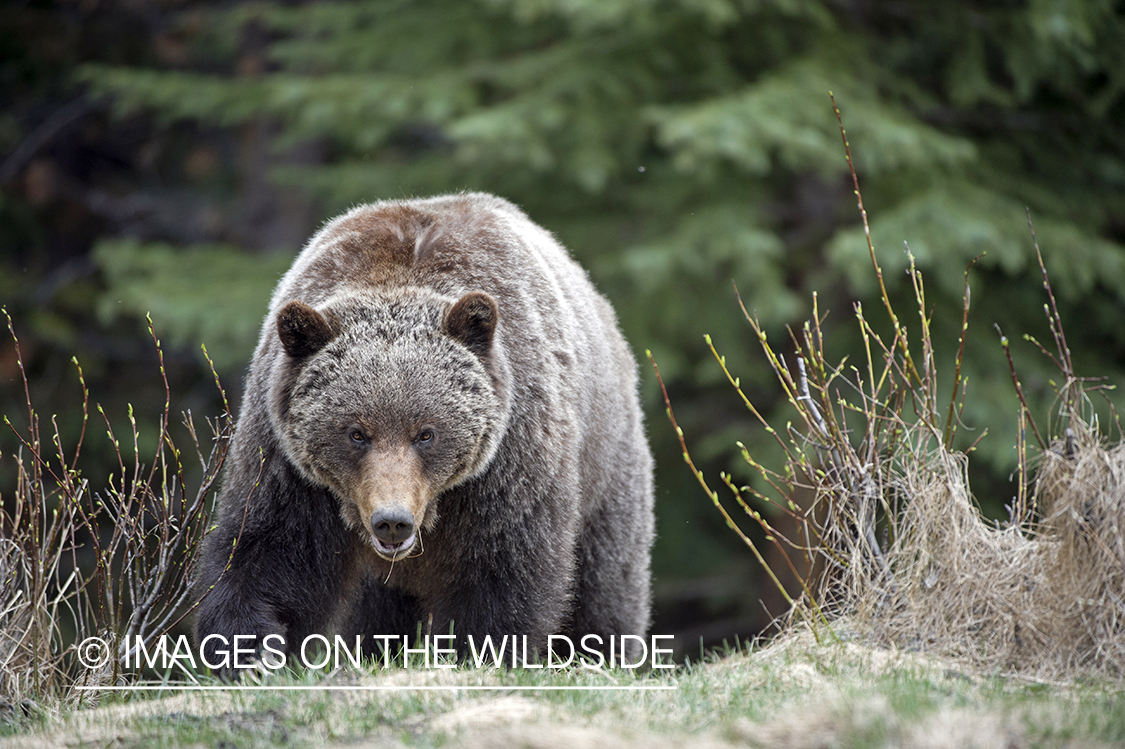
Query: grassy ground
x,y
792,694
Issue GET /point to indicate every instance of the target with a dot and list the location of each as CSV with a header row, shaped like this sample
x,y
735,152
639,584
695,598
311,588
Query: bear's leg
x,y
274,567
612,591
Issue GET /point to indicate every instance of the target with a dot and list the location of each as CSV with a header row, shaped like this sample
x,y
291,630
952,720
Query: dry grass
x,y
1043,599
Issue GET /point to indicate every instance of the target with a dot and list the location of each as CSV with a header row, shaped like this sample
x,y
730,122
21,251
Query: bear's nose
x,y
392,525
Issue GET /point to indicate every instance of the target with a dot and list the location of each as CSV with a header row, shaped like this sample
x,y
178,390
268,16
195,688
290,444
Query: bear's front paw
x,y
254,672
258,674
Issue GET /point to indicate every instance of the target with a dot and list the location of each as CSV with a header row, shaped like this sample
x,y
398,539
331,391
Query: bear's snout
x,y
392,525
393,528
389,499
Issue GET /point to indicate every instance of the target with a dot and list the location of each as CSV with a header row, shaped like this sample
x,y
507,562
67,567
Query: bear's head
x,y
389,400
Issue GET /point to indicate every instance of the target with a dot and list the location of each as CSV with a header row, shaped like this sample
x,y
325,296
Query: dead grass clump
x,y
1043,599
1084,506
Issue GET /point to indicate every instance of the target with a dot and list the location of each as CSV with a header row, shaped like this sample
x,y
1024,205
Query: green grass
x,y
793,694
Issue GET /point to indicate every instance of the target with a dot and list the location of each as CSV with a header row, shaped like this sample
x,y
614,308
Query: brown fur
x,y
440,366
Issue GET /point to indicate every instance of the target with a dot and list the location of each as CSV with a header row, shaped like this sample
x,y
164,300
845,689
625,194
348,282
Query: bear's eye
x,y
358,437
425,436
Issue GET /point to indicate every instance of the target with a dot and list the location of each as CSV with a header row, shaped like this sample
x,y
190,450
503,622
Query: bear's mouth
x,y
392,552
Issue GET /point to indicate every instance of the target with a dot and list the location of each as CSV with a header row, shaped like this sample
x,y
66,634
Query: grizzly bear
x,y
440,430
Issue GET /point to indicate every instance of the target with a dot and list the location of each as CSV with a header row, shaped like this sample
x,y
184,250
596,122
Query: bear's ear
x,y
303,330
472,321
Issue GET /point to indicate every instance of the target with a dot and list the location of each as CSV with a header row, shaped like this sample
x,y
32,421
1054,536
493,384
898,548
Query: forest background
x,y
171,157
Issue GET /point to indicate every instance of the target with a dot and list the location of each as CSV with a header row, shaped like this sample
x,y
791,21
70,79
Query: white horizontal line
x,y
339,688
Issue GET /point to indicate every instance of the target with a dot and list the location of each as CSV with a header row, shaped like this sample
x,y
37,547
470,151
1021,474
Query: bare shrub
x,y
894,549
32,594
113,562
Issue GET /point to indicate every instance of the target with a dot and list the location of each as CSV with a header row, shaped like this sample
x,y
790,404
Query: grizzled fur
x,y
440,426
